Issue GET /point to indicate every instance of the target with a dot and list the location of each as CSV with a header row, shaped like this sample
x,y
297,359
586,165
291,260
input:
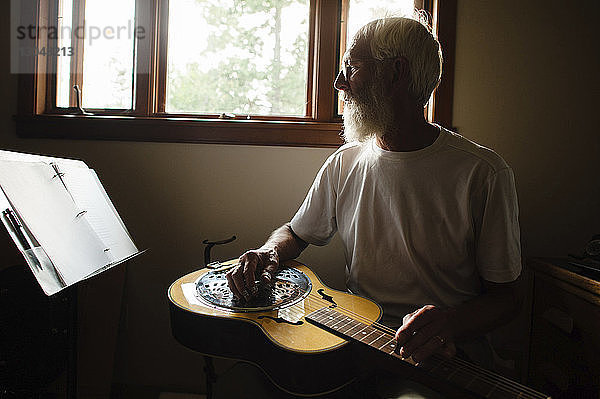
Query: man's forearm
x,y
285,243
427,329
482,314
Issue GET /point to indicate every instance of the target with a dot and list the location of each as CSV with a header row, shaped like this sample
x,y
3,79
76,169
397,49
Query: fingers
x,y
431,346
241,278
248,265
424,332
426,337
237,284
269,273
232,285
415,321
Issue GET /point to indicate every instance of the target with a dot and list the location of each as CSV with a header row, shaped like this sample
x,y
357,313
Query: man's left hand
x,y
426,331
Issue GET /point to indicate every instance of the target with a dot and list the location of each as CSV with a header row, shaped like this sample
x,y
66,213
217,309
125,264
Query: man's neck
x,y
409,133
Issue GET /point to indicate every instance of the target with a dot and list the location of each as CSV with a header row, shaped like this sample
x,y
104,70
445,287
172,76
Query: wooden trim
x,y
78,44
344,13
160,56
310,68
43,65
430,6
144,13
146,50
343,22
446,30
325,57
574,282
27,89
48,64
186,130
272,118
578,292
28,82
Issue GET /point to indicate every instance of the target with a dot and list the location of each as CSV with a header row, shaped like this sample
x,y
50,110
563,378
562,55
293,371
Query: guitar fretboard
x,y
459,372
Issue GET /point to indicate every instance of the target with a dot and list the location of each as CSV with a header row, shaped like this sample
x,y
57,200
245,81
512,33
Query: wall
x,y
523,86
526,85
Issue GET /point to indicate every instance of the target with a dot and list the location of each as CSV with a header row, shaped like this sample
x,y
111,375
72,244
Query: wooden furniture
x,y
564,355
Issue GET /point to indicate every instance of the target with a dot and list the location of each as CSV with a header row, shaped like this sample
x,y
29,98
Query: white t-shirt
x,y
419,227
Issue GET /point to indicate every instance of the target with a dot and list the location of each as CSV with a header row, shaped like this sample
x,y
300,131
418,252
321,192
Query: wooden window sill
x,y
181,130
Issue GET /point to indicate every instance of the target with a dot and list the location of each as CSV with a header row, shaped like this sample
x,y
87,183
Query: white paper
x,y
90,197
20,156
44,271
72,230
49,212
38,261
189,292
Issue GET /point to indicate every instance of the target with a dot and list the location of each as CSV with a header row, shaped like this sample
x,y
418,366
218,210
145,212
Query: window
x,y
244,58
215,71
356,13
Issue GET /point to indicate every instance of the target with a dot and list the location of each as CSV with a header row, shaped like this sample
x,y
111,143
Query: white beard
x,y
366,115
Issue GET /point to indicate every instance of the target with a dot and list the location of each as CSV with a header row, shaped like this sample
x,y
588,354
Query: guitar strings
x,y
493,378
481,373
507,384
467,367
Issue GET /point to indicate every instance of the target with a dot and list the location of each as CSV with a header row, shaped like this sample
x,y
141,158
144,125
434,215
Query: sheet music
x,y
66,226
50,214
40,265
90,197
20,156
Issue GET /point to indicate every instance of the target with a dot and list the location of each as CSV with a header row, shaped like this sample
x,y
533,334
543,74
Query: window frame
x,y
38,116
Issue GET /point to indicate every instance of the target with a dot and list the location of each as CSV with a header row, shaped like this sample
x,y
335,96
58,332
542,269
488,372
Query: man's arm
x,y
432,329
282,245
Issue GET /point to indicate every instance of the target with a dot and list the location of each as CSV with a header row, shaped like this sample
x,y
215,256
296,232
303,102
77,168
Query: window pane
x,y
359,12
108,54
362,11
244,57
63,84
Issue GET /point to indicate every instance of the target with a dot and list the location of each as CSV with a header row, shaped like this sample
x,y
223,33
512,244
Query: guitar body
x,y
297,356
295,336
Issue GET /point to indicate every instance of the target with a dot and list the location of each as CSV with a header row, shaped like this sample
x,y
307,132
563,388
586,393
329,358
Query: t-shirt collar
x,y
400,155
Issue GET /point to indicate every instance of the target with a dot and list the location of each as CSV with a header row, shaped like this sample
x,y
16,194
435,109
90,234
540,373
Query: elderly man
x,y
428,219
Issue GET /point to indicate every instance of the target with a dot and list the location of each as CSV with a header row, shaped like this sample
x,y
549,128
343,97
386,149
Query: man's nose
x,y
340,82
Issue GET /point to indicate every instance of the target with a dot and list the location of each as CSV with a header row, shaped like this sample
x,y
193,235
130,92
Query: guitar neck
x,y
457,371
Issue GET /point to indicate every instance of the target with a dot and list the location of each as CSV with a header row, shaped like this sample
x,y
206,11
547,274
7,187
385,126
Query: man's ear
x,y
401,70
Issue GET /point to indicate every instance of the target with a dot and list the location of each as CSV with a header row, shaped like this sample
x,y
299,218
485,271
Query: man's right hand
x,y
257,265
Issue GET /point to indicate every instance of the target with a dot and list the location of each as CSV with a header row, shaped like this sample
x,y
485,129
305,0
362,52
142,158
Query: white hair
x,y
406,37
368,113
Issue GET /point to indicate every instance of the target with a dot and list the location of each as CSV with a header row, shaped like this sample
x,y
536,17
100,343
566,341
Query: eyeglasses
x,y
348,69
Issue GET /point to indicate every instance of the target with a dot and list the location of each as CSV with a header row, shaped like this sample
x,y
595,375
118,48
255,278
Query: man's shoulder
x,y
345,153
351,148
474,152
